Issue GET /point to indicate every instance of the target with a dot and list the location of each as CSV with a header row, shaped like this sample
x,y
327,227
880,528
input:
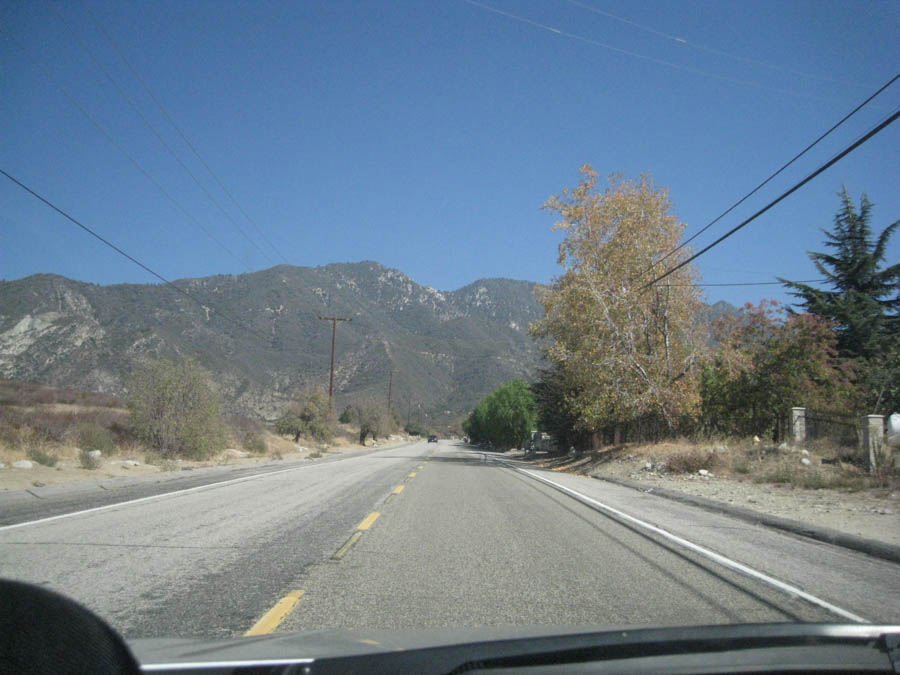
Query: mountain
x,y
446,349
709,314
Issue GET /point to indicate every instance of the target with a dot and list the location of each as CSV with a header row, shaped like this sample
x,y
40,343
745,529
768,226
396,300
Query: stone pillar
x,y
797,429
873,438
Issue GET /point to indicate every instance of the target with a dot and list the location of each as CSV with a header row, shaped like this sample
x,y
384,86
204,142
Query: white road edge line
x,y
712,555
178,492
147,499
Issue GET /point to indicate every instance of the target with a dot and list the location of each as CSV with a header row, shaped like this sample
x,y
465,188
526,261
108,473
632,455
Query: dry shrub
x,y
41,456
249,433
88,461
692,461
91,436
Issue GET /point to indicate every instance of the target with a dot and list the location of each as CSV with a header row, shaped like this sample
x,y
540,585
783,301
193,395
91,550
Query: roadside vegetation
x,y
174,410
172,419
504,418
373,419
309,415
415,428
631,366
686,462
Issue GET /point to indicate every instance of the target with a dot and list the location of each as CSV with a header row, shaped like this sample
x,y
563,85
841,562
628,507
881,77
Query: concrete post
x,y
873,438
797,429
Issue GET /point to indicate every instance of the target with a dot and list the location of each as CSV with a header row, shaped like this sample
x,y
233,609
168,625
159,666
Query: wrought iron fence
x,y
842,429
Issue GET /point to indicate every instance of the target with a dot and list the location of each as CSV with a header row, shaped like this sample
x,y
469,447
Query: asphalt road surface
x,y
439,536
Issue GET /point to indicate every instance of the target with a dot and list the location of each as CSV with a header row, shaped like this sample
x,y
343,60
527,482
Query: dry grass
x,y
743,459
692,461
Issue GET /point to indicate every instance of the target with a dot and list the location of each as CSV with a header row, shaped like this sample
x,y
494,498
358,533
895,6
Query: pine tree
x,y
864,305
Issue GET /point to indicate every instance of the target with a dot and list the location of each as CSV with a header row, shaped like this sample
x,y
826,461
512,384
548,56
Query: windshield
x,y
450,315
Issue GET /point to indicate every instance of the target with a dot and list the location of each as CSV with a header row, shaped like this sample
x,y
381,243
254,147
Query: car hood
x,y
445,650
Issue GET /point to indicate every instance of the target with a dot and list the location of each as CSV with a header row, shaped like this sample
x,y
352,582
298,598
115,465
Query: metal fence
x,y
841,429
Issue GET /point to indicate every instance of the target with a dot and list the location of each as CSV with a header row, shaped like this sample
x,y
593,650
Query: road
x,y
459,540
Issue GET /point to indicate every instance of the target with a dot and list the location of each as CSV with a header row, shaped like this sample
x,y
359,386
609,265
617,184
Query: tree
x,y
415,428
553,393
766,362
505,417
373,418
626,351
310,414
864,304
174,409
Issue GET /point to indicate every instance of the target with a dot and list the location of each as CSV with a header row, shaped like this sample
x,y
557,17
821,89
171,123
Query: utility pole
x,y
390,388
333,320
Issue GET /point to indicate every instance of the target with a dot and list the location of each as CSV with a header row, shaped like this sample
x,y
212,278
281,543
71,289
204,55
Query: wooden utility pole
x,y
333,320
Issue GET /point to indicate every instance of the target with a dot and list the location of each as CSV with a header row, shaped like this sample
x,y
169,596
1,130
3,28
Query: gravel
x,y
873,514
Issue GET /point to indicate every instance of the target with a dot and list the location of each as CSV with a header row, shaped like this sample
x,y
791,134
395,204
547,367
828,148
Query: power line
x,y
783,167
150,126
753,283
694,45
651,59
137,262
834,160
184,138
121,149
187,142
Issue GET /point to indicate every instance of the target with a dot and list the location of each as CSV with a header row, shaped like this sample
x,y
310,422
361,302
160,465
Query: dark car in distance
x,y
432,439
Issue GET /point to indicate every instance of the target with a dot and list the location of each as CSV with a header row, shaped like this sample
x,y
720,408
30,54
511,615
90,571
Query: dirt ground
x,y
138,462
870,512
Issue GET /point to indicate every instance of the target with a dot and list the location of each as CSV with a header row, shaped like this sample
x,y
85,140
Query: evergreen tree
x,y
864,304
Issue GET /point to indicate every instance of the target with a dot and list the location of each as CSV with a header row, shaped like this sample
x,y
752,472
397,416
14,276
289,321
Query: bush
x,y
53,426
14,432
91,436
741,466
416,429
255,443
249,433
309,414
692,462
346,416
373,418
88,461
174,409
42,457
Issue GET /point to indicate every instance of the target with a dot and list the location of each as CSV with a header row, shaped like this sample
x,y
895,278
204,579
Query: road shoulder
x,y
873,547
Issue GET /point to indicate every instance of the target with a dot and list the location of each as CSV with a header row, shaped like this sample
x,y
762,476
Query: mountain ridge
x,y
446,348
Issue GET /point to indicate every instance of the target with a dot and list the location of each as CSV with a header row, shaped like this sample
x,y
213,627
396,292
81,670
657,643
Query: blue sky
x,y
426,135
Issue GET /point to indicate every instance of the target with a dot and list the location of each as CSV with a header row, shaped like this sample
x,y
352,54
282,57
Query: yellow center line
x,y
412,475
367,523
273,618
398,490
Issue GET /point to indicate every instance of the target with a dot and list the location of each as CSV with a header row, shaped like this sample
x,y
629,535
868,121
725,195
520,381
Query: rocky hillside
x,y
446,349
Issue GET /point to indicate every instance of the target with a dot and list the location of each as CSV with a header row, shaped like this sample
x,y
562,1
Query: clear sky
x,y
426,135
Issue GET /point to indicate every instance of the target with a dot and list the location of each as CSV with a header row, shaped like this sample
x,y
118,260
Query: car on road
x,y
432,439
